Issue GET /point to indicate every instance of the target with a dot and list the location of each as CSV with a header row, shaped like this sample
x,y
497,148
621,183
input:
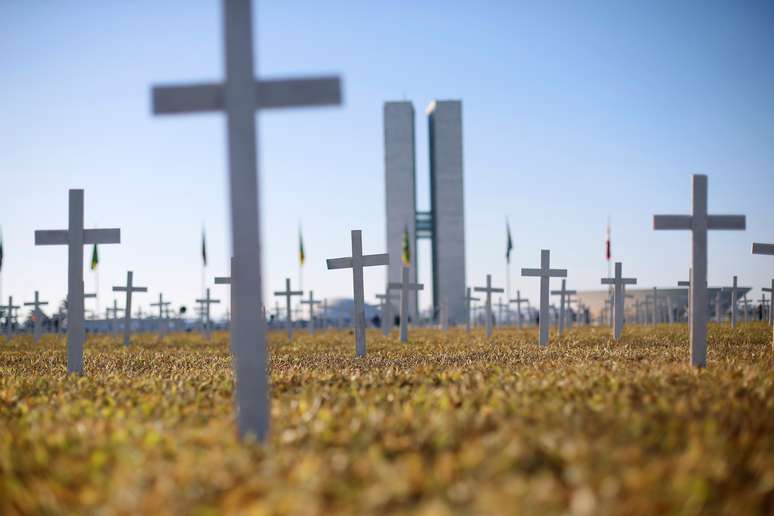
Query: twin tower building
x,y
444,224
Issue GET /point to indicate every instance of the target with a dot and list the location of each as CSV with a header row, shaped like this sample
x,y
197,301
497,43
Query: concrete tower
x,y
444,224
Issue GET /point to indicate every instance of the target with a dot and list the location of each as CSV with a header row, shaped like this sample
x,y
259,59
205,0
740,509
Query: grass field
x,y
447,424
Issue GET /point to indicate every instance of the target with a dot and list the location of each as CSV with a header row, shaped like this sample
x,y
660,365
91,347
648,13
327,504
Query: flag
x,y
406,255
204,250
301,255
1,249
509,244
94,258
608,252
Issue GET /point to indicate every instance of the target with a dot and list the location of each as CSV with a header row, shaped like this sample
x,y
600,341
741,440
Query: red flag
x,y
608,252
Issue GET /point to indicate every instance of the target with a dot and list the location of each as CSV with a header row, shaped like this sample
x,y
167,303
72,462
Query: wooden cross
x,y
563,294
311,302
405,286
162,305
699,222
206,302
37,313
385,307
129,288
9,316
288,294
75,237
468,299
545,272
239,96
519,300
619,285
357,262
488,290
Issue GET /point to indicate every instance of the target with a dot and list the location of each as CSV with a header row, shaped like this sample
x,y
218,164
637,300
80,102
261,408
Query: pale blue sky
x,y
572,111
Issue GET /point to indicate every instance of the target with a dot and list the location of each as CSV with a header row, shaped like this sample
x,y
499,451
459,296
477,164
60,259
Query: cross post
x,y
75,237
162,323
9,308
545,272
405,286
519,300
206,302
37,315
385,305
129,288
468,299
563,294
488,291
288,294
619,284
357,262
699,222
311,302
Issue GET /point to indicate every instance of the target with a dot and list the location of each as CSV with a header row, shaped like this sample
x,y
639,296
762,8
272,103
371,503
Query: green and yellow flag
x,y
406,255
301,255
94,258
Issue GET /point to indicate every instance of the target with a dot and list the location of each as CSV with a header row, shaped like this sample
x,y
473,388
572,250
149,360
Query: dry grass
x,y
447,424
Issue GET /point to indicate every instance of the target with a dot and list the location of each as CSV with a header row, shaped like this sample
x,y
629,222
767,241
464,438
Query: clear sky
x,y
573,111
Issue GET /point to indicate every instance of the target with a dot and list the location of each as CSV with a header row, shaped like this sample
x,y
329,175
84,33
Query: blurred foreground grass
x,y
449,423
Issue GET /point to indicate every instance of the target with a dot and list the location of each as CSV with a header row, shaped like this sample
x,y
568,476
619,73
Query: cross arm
x,y
471,298
139,289
102,236
767,289
276,93
629,281
485,289
371,260
758,248
222,281
683,283
119,289
672,221
51,237
531,272
608,281
395,286
557,273
726,222
339,263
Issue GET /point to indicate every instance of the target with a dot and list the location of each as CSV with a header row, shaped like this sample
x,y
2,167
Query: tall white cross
x,y
206,302
37,314
733,289
519,300
563,294
239,97
699,222
545,272
288,294
311,302
9,308
114,310
385,304
129,288
405,286
468,299
75,237
357,262
162,305
488,290
770,290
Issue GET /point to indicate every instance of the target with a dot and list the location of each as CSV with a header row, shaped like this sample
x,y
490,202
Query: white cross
x,y
36,304
619,285
770,290
545,272
206,302
226,280
563,294
75,237
699,222
468,299
768,249
129,288
357,262
9,308
311,302
385,306
239,96
733,288
488,290
519,300
114,311
405,286
287,294
500,306
162,305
